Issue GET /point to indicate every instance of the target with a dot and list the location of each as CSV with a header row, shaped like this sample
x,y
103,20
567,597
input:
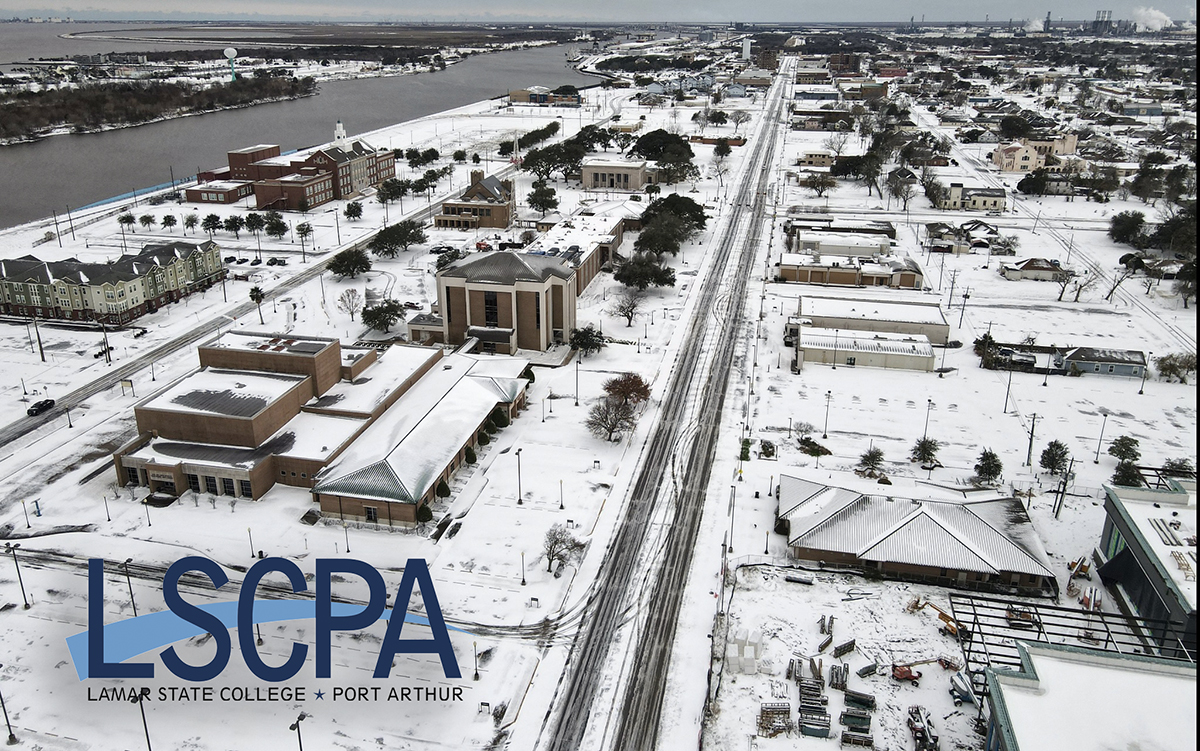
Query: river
x,y
77,170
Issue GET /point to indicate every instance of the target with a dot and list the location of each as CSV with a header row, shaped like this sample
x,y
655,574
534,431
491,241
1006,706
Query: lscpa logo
x,y
103,650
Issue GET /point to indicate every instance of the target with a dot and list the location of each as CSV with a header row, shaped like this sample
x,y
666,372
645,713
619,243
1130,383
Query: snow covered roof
x,y
231,393
402,455
1069,697
612,162
850,341
381,378
1120,356
505,267
872,310
917,525
866,242
266,342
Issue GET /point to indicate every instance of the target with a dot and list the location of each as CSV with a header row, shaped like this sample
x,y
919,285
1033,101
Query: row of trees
x,y
272,223
666,224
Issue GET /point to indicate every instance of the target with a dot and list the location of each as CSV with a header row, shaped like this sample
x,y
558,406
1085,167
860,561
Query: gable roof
x,y
990,536
505,267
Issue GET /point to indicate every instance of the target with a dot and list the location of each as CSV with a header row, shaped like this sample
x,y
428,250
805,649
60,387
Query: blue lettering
x,y
246,636
327,623
192,614
416,571
97,667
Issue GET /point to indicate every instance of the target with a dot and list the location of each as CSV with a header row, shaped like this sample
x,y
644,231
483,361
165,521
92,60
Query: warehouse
x,y
861,314
862,349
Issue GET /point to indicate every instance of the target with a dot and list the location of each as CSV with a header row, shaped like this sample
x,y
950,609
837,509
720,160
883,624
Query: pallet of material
x,y
867,670
857,739
813,705
838,675
843,649
815,729
856,719
859,699
814,717
825,644
818,670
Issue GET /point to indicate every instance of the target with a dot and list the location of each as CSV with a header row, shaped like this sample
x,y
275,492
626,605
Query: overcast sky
x,y
713,11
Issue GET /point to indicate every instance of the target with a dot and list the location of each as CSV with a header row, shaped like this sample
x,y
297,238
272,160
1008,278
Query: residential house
x,y
1017,157
975,199
1037,269
816,158
486,202
1119,362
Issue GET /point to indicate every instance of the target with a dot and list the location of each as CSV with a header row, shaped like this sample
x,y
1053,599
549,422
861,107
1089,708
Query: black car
x,y
256,261
243,260
230,259
40,407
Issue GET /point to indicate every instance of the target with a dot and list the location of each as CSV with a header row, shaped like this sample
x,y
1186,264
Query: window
x,y
244,486
491,311
210,485
850,361
227,486
132,474
372,513
1112,368
537,310
1096,367
194,483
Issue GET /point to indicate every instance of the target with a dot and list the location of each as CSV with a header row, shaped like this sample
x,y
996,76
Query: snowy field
x,y
488,568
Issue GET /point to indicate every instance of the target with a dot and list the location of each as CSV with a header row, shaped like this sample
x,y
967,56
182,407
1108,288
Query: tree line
x,y
28,114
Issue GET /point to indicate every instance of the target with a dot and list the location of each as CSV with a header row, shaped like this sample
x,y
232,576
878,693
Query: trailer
x,y
856,720
860,740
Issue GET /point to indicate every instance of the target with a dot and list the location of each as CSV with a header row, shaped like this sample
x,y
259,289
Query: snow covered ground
x,y
488,566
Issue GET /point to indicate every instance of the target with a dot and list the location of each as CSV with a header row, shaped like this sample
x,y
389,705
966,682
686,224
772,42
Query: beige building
x,y
839,271
864,349
600,173
974,199
859,314
508,301
816,158
1017,157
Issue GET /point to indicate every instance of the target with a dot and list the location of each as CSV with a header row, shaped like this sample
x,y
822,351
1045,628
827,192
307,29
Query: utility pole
x,y
1029,453
42,351
953,281
965,296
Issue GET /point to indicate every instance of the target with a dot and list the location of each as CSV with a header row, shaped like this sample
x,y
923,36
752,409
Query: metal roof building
x,y
972,538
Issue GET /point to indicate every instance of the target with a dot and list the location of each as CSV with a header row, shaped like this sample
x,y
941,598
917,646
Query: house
x,y
112,293
903,176
1038,269
1132,700
734,90
263,408
816,158
1120,362
486,202
1146,554
399,462
507,301
913,531
872,315
1017,157
601,173
976,199
1056,144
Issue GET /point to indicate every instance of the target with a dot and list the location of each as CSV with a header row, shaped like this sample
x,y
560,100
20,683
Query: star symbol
x,y
320,694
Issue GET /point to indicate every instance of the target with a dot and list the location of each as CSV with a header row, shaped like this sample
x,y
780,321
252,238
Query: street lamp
x,y
1145,370
560,496
519,494
26,510
138,699
12,739
129,581
577,361
928,408
475,650
251,535
828,398
732,513
346,531
296,726
522,568
12,548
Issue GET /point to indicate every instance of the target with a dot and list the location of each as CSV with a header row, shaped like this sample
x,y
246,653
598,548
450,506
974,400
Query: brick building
x,y
487,202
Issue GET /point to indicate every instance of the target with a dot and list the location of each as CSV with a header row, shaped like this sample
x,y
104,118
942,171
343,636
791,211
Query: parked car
x,y
40,407
440,249
276,261
412,305
483,245
230,259
256,261
240,261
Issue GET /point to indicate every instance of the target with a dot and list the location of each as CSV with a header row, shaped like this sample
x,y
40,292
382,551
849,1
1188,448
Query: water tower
x,y
230,54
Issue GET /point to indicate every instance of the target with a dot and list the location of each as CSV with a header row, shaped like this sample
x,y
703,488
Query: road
x,y
128,369
674,470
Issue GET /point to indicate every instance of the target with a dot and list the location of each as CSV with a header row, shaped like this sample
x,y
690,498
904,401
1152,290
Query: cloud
x,y
1151,19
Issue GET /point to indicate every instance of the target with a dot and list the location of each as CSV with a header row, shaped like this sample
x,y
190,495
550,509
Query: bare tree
x,y
836,143
628,388
820,183
1120,278
609,418
1083,284
561,545
350,302
902,191
627,305
1063,280
739,118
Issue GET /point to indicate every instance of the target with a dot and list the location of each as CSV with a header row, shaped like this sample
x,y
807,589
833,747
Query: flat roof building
x,y
864,314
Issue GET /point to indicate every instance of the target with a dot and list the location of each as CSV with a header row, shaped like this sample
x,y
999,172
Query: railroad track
x,y
671,480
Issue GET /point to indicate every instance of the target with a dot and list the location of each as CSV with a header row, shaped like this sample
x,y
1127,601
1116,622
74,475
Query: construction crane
x,y
951,626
